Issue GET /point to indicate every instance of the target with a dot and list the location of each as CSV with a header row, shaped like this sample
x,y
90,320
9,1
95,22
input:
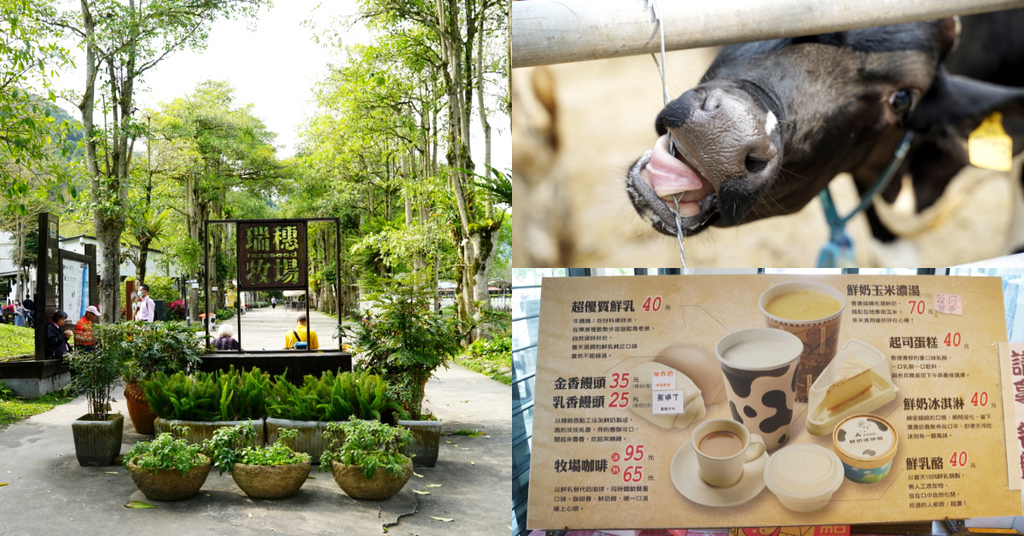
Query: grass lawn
x,y
15,342
13,409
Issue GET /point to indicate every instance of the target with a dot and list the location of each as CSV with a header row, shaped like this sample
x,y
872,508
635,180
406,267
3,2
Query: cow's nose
x,y
727,136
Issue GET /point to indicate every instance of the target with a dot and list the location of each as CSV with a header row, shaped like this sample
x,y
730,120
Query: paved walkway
x,y
48,493
265,328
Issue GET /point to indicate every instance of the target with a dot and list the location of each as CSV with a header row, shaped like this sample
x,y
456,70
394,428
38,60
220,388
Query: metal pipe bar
x,y
548,31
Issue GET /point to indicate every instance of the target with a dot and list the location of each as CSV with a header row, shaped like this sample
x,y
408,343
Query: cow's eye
x,y
901,100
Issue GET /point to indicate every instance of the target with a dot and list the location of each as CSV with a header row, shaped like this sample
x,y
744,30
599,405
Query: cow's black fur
x,y
834,96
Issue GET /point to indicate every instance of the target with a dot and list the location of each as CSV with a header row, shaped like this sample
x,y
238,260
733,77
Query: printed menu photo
x,y
718,401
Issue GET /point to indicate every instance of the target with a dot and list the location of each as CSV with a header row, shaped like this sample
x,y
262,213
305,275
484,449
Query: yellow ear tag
x,y
989,146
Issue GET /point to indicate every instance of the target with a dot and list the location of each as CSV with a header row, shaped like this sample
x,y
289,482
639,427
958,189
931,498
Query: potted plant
x,y
206,401
98,433
273,472
148,348
365,458
168,468
404,341
331,397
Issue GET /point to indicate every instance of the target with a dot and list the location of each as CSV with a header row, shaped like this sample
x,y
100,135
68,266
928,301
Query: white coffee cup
x,y
723,447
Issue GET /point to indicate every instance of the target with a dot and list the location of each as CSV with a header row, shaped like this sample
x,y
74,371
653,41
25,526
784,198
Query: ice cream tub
x,y
866,444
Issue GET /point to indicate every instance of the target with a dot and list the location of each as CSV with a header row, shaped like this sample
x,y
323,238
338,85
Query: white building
x,y
156,264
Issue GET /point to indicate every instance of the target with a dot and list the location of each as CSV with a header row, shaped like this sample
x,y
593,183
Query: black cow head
x,y
772,122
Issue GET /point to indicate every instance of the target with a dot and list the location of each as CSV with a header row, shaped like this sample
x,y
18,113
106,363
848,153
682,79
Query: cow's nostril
x,y
754,165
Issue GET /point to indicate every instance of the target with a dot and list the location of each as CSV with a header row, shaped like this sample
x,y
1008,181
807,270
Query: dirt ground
x,y
573,208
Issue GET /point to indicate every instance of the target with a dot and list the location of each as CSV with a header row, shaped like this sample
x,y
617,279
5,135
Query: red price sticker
x,y
950,304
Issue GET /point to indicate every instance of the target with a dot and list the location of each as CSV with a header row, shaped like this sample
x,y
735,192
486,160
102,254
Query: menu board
x,y
898,408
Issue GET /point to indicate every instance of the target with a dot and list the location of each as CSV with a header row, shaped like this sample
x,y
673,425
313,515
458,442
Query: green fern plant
x,y
334,397
229,395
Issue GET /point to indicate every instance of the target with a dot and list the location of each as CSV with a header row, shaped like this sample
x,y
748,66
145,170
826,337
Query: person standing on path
x,y
147,307
296,338
273,302
83,329
19,314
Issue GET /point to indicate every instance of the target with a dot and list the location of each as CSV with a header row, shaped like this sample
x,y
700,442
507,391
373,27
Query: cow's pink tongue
x,y
668,176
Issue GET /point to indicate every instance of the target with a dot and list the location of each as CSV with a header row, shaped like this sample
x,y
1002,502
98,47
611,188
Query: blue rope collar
x,y
838,251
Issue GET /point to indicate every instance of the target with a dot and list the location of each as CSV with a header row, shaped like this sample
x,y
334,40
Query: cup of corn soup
x,y
812,312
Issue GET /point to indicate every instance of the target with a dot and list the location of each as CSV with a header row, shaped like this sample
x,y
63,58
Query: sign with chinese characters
x,y
272,255
640,379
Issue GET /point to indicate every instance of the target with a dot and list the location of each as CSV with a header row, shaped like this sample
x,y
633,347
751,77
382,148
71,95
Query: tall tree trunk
x,y
486,125
140,269
485,243
108,222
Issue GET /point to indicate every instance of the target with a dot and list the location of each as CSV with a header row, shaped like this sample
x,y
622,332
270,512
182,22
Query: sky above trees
x,y
273,62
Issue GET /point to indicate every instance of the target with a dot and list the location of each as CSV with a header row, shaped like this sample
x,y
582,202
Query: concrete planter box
x,y
199,431
310,439
425,444
97,442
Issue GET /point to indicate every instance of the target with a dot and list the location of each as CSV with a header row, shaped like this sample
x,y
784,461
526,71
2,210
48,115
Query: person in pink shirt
x,y
147,307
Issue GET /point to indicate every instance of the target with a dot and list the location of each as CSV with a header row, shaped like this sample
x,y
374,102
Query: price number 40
x,y
958,459
652,303
979,399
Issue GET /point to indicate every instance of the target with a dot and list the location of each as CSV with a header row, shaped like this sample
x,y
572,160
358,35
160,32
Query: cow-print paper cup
x,y
760,366
820,336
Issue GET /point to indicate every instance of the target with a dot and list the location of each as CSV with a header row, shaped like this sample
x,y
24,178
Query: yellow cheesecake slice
x,y
852,384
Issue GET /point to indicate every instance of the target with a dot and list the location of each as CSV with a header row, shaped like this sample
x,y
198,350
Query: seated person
x,y
57,337
225,338
298,335
83,329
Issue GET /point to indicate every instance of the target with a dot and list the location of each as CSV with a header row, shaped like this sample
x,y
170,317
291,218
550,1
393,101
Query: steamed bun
x,y
700,366
643,397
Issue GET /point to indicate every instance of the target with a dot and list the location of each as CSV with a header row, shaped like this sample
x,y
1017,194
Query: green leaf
x,y
445,519
418,492
138,505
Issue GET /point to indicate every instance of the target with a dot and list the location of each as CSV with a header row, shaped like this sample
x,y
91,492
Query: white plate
x,y
688,482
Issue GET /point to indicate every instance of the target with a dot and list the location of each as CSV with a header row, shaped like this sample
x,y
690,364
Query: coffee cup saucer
x,y
685,476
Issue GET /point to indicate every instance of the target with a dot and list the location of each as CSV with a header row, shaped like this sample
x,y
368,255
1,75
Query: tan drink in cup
x,y
723,447
812,312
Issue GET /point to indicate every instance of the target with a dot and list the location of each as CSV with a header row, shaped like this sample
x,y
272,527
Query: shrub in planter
x,y
97,434
168,468
273,472
145,349
332,397
405,341
365,459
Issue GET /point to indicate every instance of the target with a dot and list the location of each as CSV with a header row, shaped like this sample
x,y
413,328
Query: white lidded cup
x,y
759,365
723,447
